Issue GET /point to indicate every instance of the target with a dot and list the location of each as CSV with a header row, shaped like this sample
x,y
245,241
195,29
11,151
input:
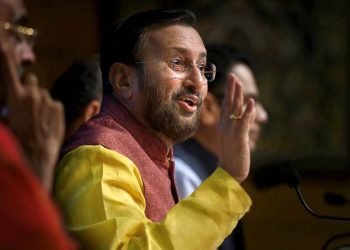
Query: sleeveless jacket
x,y
115,128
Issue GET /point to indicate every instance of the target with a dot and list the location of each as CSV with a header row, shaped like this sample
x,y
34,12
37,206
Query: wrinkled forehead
x,y
12,10
179,38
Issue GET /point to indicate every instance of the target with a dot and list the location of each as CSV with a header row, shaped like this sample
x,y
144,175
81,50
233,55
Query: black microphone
x,y
284,172
276,173
335,199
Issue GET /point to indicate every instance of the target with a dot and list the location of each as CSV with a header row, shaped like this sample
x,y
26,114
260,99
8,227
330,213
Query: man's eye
x,y
201,67
177,64
17,37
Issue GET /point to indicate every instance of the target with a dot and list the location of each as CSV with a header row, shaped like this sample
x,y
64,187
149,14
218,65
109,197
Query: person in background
x,y
79,88
196,159
31,133
115,181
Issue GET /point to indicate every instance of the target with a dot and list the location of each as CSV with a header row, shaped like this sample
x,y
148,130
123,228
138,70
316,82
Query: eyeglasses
x,y
207,70
21,33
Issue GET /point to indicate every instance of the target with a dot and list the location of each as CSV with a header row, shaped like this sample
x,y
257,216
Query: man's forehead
x,y
186,50
13,10
177,38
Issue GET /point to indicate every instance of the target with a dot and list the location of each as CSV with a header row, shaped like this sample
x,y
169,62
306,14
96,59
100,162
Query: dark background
x,y
299,49
301,53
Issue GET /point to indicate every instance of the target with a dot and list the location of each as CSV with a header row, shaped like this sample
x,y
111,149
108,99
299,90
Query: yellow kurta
x,y
101,194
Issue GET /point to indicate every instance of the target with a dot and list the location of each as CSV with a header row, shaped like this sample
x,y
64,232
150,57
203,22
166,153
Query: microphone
x,y
284,172
335,199
276,173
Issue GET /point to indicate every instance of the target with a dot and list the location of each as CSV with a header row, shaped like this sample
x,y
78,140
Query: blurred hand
x,y
233,127
36,119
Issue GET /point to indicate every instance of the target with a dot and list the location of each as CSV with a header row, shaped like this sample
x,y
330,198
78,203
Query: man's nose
x,y
195,79
261,113
25,54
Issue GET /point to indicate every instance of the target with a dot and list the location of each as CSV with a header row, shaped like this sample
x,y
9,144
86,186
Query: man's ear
x,y
210,110
91,110
119,78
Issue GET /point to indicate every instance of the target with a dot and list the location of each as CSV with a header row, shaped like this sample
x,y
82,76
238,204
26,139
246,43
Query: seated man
x,y
115,182
196,159
80,91
31,132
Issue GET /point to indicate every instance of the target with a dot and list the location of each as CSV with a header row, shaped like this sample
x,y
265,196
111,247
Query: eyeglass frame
x,y
25,34
186,68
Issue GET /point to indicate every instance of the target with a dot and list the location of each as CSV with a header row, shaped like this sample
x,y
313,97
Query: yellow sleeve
x,y
101,194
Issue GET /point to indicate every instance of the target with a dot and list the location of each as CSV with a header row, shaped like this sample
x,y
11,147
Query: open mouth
x,y
189,103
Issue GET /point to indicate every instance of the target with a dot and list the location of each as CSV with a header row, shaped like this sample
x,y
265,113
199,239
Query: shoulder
x,y
8,144
100,130
183,169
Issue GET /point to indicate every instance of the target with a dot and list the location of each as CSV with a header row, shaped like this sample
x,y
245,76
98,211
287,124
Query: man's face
x,y
14,12
250,90
171,101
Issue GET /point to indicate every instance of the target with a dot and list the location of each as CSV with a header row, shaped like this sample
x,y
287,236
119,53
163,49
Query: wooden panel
x,y
68,31
277,219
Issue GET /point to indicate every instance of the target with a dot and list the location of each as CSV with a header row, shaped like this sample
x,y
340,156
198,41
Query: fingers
x,y
45,112
232,106
237,107
52,130
51,115
59,120
249,115
31,80
233,128
230,92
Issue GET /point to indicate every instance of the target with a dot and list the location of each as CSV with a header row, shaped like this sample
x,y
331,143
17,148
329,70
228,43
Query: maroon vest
x,y
117,129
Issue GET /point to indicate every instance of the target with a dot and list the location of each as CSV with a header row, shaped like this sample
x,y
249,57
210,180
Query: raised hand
x,y
234,124
36,119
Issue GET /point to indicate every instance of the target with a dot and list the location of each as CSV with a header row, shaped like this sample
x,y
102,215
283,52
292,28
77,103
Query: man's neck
x,y
166,140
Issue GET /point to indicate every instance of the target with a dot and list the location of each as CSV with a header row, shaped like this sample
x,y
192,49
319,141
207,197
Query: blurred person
x,y
29,142
79,88
228,60
196,159
27,109
115,182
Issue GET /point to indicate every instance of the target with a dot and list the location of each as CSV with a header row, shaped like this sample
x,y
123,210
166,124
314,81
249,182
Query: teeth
x,y
189,102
